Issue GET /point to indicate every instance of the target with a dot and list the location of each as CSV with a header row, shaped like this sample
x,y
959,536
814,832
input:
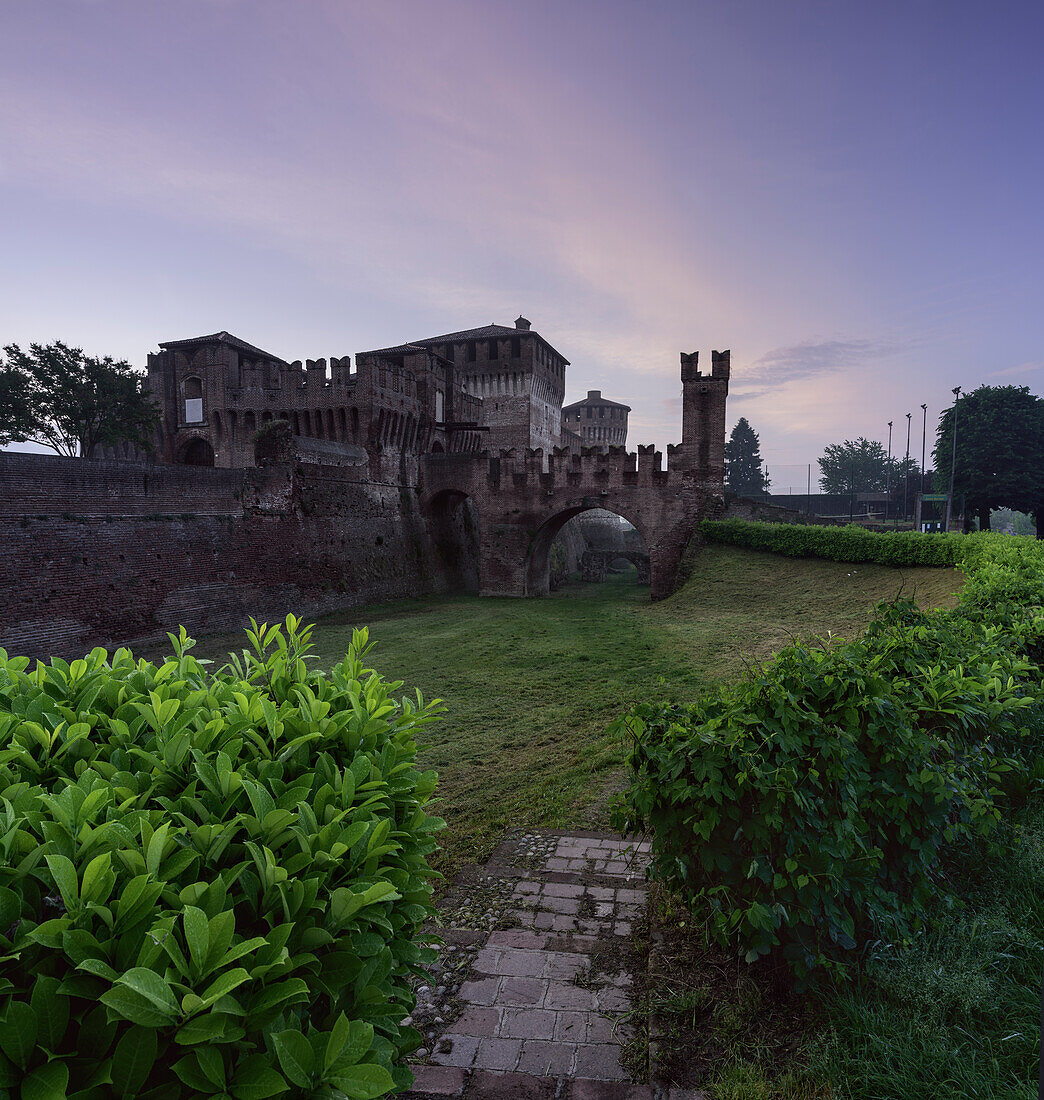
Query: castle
x,y
445,464
491,388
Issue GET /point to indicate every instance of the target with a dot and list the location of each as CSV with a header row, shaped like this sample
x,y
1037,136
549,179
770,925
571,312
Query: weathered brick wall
x,y
201,546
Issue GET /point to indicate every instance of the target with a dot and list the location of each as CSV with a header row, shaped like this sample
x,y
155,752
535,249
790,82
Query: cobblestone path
x,y
532,993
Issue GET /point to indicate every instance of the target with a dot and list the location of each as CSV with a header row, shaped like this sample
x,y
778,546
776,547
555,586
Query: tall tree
x,y
744,473
58,397
855,466
1000,452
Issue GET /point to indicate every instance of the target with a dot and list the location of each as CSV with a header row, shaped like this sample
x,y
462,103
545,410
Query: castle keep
x,y
436,465
489,388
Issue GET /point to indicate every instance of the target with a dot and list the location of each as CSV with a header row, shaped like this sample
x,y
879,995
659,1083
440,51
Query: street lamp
x,y
888,472
956,391
906,469
924,436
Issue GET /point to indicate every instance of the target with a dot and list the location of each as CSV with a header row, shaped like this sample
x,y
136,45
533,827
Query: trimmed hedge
x,y
211,884
847,544
805,810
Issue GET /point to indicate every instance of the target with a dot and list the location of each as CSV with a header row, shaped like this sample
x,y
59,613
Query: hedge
x,y
805,811
211,884
847,544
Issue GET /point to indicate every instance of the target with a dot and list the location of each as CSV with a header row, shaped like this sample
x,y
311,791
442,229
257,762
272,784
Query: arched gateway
x,y
521,502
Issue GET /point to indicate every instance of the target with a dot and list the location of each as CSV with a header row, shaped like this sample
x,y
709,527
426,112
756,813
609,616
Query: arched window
x,y
192,389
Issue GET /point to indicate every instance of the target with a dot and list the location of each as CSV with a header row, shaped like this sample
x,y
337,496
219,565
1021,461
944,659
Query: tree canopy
x,y
61,398
855,466
1000,451
745,474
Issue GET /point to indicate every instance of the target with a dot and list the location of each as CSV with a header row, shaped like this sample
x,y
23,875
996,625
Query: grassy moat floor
x,y
531,685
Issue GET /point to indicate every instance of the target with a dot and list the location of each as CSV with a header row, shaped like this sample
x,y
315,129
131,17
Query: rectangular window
x,y
194,410
471,351
516,347
492,350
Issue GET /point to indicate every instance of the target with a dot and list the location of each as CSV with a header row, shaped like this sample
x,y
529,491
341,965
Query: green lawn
x,y
531,685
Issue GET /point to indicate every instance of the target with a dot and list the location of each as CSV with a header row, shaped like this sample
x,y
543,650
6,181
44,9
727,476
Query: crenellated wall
x,y
106,553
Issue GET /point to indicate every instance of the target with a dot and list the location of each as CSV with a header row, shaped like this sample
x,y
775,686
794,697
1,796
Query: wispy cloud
x,y
810,359
1022,368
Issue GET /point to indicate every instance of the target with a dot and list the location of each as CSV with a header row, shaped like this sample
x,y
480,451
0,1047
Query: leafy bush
x,y
806,808
847,544
210,884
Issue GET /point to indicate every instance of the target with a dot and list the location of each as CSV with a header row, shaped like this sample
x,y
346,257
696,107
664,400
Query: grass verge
x,y
531,685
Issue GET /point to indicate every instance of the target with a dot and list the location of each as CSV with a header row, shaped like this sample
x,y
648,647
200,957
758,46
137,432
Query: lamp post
x,y
906,469
956,391
924,435
888,473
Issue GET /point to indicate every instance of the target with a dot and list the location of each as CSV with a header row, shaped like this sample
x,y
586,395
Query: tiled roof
x,y
221,338
486,332
596,401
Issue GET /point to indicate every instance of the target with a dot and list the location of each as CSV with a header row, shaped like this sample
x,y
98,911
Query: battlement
x,y
314,373
564,468
720,366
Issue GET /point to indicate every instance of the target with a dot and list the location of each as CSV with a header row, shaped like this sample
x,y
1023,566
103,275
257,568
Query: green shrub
x,y
806,809
847,544
210,884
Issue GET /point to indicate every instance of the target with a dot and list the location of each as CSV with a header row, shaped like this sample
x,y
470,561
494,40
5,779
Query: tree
x,y
744,474
56,396
1000,452
859,466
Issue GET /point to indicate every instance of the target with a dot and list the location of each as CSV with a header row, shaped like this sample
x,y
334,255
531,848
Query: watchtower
x,y
703,412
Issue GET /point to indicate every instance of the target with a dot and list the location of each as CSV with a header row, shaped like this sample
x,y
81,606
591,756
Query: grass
x,y
957,1013
531,685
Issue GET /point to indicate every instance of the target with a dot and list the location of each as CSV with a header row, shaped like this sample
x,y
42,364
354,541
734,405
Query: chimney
x,y
522,323
594,395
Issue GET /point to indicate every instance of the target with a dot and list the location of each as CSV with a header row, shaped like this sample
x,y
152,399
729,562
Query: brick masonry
x,y
107,552
543,1007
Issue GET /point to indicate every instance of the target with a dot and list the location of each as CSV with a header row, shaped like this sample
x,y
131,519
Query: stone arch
x,y
453,521
537,566
196,451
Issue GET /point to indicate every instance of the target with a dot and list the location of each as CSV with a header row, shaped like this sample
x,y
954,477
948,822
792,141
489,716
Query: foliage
x,y
850,544
57,396
956,1013
1000,451
211,884
1008,521
855,466
744,474
806,809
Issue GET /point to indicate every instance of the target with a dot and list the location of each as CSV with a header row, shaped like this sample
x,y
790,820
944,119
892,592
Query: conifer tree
x,y
745,475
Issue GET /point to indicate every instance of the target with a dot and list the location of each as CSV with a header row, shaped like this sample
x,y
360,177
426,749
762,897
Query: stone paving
x,y
531,995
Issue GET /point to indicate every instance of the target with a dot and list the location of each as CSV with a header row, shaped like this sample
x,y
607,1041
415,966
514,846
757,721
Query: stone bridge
x,y
521,500
595,564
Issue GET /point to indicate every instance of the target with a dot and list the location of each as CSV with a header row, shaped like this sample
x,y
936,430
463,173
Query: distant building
x,y
598,421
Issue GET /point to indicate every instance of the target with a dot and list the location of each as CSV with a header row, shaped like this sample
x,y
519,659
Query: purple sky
x,y
848,195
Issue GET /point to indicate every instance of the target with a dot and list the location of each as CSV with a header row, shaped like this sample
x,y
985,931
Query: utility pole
x,y
906,468
924,436
956,391
888,473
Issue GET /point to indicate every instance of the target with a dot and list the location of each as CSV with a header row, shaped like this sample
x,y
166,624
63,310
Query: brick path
x,y
532,994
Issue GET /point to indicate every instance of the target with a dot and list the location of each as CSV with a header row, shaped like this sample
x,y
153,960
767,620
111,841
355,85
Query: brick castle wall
x,y
106,553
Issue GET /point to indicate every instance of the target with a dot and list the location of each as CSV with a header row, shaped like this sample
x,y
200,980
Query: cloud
x,y
807,360
1022,368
